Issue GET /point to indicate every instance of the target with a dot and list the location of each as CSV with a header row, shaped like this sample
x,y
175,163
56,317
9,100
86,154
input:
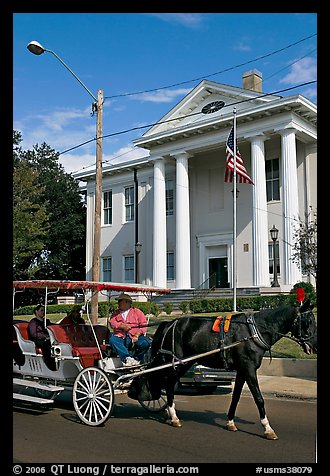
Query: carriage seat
x,y
18,356
82,341
25,343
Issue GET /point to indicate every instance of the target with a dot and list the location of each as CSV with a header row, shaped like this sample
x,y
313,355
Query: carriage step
x,y
28,398
37,385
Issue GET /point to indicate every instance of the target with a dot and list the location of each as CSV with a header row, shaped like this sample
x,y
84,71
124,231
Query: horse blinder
x,y
304,330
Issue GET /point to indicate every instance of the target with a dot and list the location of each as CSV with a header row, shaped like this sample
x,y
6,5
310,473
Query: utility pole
x,y
98,203
97,107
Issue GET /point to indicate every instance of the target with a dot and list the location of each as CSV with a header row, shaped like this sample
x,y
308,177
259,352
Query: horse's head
x,y
144,388
304,328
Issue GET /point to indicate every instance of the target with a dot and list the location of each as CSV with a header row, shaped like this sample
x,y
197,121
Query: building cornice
x,y
298,105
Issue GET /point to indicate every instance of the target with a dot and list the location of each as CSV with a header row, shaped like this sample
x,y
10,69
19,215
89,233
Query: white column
x,y
159,229
259,214
182,251
290,272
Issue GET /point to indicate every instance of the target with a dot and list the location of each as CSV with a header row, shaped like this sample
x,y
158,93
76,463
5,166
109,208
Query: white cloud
x,y
241,46
60,129
302,71
161,95
190,20
81,162
311,93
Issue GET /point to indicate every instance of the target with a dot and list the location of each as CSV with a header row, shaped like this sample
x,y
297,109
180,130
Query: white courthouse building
x,y
176,206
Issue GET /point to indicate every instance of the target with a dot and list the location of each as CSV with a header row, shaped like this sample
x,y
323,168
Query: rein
x,y
170,352
255,333
299,339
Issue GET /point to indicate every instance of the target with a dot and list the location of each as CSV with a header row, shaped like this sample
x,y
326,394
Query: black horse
x,y
238,344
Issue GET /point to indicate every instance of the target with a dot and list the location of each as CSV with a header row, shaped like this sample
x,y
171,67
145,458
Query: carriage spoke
x,y
93,396
154,405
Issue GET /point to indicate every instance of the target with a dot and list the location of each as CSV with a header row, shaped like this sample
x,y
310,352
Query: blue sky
x,y
124,53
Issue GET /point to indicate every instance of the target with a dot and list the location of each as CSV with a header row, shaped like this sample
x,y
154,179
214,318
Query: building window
x,y
107,208
170,266
129,269
169,197
129,203
271,258
273,179
106,269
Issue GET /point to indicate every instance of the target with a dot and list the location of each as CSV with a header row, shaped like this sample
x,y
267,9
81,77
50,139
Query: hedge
x,y
195,306
105,309
255,303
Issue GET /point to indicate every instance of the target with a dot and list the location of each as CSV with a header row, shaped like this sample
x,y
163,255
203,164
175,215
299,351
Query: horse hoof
x,y
271,435
175,423
231,427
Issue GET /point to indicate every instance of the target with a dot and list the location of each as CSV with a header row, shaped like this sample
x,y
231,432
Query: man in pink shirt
x,y
129,326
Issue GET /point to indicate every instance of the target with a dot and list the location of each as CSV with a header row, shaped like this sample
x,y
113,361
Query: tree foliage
x,y
49,217
30,223
305,245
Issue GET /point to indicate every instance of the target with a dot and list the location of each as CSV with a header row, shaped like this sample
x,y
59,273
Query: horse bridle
x,y
297,323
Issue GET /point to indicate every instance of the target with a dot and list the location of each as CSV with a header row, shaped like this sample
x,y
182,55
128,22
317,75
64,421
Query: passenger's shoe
x,y
130,361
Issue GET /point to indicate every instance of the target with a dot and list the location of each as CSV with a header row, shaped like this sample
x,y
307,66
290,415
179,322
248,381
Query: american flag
x,y
241,173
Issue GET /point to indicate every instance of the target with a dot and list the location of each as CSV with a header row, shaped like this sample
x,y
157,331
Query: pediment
x,y
189,109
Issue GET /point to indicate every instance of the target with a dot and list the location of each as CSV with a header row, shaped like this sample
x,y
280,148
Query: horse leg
x,y
239,382
253,385
170,413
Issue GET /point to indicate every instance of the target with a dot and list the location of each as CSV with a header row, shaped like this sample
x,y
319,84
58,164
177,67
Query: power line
x,y
267,55
183,117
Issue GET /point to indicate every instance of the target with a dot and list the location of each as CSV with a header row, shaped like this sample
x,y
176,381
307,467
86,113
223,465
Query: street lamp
x,y
138,248
274,236
97,106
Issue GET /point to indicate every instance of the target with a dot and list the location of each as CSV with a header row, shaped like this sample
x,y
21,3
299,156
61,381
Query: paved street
x,y
136,436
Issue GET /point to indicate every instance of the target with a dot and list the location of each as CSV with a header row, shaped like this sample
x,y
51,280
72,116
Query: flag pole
x,y
234,219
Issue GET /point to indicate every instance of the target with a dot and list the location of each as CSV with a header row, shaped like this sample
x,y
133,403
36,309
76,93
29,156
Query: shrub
x,y
183,306
168,307
309,291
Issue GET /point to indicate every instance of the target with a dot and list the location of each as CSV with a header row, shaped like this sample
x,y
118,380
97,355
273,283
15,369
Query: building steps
x,y
177,296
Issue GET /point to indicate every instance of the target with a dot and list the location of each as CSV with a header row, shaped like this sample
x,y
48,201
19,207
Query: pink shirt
x,y
135,317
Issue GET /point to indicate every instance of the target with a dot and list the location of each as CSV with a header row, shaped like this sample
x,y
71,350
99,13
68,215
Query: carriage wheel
x,y
93,396
154,406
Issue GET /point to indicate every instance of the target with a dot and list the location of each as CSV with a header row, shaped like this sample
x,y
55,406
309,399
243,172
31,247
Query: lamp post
x,y
138,248
274,236
97,106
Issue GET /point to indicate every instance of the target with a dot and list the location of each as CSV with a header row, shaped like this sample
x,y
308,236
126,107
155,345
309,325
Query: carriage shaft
x,y
175,363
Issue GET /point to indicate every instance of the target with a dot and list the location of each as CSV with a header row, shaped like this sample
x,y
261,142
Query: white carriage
x,y
84,368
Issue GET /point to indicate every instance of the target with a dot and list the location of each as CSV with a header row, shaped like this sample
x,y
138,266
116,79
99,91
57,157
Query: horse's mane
x,y
276,311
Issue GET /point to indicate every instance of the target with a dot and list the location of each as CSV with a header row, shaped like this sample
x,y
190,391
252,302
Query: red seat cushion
x,y
82,340
88,355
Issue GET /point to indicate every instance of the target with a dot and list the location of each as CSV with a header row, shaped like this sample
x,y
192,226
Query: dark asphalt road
x,y
132,435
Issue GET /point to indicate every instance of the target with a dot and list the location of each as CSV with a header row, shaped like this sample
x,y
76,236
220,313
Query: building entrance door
x,y
218,273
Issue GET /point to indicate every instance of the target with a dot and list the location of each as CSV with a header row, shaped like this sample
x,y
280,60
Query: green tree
x,y
62,255
29,217
305,245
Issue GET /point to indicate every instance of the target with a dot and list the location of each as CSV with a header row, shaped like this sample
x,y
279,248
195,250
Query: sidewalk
x,y
288,387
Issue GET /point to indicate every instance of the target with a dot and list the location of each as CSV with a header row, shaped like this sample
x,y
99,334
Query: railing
x,y
205,287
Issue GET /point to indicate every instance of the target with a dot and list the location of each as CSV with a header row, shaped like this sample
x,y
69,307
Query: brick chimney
x,y
252,80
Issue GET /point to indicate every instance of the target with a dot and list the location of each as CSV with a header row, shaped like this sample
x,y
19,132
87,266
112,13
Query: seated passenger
x,y
129,328
74,317
38,333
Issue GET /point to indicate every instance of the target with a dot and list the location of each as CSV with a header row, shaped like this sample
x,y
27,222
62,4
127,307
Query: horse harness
x,y
223,326
297,322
